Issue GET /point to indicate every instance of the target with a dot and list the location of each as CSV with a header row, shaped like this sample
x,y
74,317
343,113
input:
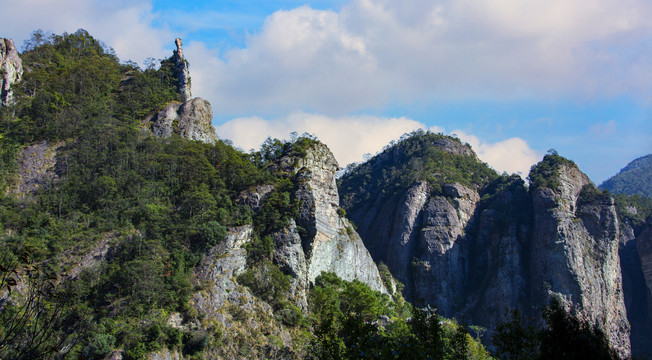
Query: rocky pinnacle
x,y
182,71
11,70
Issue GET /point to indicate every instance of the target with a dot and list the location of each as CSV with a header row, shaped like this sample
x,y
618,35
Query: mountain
x,y
633,179
473,244
129,230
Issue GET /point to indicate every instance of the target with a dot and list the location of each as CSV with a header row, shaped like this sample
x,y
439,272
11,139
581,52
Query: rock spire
x,y
11,70
182,71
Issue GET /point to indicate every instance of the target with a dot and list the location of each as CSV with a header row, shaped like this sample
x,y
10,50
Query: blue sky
x,y
513,78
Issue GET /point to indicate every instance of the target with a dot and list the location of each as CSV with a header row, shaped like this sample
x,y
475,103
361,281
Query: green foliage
x,y
419,156
350,321
635,209
516,339
159,204
277,209
546,172
634,179
567,337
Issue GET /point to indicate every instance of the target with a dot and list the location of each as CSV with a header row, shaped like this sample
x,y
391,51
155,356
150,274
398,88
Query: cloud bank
x,y
373,52
350,137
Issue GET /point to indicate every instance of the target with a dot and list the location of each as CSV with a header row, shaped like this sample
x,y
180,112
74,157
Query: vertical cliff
x,y
320,239
575,251
11,70
477,246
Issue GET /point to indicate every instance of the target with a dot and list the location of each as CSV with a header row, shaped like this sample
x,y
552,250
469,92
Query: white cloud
x,y
350,137
513,155
375,51
124,25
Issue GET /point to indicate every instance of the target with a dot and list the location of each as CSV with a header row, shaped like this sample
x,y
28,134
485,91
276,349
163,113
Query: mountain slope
x,y
474,246
633,179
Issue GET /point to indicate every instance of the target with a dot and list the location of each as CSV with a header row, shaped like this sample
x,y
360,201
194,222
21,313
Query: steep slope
x,y
633,179
575,248
475,246
11,70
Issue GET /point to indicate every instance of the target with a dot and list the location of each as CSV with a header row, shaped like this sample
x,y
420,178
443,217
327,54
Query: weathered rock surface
x,y
474,259
37,168
11,70
229,309
191,119
182,71
332,244
164,354
575,255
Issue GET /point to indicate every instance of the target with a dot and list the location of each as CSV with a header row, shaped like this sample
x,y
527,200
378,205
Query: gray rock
x,y
164,354
191,119
11,70
575,255
183,72
37,168
331,244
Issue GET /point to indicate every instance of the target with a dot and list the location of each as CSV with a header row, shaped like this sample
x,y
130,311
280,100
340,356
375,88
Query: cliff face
x,y
329,242
476,251
575,254
11,70
319,239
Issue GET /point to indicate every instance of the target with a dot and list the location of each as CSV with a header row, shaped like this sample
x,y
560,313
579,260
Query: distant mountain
x,y
634,179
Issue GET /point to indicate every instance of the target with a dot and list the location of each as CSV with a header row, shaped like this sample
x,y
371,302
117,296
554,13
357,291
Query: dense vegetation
x,y
546,172
634,179
418,156
160,202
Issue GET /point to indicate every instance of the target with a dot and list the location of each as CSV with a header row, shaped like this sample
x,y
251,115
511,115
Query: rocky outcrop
x,y
476,251
327,241
191,119
575,254
37,168
11,70
182,72
228,309
164,354
331,244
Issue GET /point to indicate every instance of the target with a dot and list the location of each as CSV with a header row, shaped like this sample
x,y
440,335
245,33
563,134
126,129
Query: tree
x,y
515,339
568,337
37,320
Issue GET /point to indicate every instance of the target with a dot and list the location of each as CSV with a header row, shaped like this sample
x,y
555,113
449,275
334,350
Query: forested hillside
x,y
633,179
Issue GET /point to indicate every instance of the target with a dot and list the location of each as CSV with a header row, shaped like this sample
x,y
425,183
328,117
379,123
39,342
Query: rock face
x,y
37,168
475,252
182,72
329,243
191,119
11,70
229,309
638,299
575,254
644,247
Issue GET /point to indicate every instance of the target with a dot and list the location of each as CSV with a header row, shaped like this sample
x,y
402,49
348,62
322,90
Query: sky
x,y
513,78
